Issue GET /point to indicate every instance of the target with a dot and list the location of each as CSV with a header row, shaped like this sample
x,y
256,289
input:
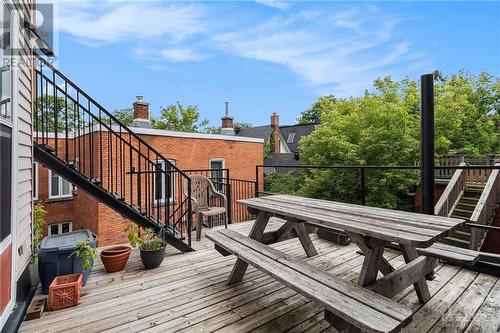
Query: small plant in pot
x,y
86,254
38,223
151,246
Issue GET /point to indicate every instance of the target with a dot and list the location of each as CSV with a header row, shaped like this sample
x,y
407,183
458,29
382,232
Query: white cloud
x,y
97,23
331,50
274,3
182,54
344,50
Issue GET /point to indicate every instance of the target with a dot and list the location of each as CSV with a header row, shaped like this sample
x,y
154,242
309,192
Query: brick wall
x,y
189,153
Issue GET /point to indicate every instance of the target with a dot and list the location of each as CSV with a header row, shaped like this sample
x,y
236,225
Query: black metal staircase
x,y
85,144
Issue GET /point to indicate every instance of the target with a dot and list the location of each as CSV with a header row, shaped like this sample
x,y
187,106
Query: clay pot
x,y
115,258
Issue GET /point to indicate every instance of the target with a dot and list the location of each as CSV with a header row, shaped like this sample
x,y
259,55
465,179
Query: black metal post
x,y
362,185
427,143
256,181
229,198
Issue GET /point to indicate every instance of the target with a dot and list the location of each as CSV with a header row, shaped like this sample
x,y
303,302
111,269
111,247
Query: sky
x,y
265,56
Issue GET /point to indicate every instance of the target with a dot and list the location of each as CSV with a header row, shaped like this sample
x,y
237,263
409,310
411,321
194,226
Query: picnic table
x,y
372,229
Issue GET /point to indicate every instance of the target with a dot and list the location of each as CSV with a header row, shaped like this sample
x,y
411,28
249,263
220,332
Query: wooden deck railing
x,y
452,193
485,208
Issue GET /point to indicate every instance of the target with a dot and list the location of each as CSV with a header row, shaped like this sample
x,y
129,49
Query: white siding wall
x,y
24,149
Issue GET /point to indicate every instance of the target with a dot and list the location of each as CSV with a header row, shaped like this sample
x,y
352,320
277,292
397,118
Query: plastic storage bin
x,y
54,259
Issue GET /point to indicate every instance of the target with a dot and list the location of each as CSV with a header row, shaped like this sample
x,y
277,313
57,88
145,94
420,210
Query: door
x,y
7,284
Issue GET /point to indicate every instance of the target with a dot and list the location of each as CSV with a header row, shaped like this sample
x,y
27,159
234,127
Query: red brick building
x,y
70,208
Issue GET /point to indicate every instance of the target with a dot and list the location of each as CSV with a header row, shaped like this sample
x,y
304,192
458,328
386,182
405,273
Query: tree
x,y
176,117
383,128
125,116
217,129
53,112
313,114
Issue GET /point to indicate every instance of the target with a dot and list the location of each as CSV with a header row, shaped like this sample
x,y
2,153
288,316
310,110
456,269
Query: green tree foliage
x,y
177,117
125,116
217,129
382,128
53,112
313,114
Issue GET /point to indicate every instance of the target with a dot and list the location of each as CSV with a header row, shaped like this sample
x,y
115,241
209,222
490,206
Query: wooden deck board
x,y
188,293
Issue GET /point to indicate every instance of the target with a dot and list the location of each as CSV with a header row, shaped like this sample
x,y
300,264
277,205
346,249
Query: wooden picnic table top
x,y
406,228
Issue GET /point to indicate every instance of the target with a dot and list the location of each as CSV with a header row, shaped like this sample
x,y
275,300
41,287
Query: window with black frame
x,y
161,183
217,174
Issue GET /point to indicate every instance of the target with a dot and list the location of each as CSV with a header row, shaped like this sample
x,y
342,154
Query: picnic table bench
x,y
363,308
372,229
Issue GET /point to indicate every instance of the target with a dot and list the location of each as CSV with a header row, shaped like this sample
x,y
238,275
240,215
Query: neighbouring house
x,y
70,208
283,142
16,155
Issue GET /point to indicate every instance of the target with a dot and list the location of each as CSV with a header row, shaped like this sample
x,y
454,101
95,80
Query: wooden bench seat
x,y
450,253
344,300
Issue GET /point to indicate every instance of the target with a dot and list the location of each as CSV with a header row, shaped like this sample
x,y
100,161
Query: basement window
x,y
59,188
60,228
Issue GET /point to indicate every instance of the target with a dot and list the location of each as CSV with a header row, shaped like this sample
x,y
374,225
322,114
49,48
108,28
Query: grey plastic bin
x,y
54,260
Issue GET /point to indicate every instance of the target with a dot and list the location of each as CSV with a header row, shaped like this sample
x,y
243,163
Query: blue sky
x,y
265,56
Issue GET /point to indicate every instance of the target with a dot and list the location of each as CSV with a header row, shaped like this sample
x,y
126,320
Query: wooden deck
x,y
188,293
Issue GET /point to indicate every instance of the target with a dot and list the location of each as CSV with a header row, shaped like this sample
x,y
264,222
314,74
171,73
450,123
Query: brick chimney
x,y
141,114
275,124
227,127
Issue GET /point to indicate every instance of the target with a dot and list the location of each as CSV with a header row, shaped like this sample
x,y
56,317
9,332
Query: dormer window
x,y
291,137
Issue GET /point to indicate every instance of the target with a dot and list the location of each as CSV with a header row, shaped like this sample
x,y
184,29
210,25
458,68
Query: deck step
x,y
460,234
456,242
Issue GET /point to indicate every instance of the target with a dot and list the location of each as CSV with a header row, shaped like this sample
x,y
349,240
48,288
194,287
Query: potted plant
x,y
86,255
37,235
115,258
151,246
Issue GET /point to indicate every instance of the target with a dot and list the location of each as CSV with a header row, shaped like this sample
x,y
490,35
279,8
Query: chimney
x,y
227,122
141,113
275,124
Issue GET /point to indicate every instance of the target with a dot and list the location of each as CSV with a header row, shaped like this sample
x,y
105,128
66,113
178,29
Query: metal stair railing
x,y
77,130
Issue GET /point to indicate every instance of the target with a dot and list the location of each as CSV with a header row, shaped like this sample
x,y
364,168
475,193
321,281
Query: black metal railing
x,y
359,174
234,189
89,139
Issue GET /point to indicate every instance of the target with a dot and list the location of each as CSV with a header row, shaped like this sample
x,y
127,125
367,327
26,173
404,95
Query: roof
x,y
288,159
293,134
260,132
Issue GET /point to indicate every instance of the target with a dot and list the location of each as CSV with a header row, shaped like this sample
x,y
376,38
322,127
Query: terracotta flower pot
x,y
64,291
115,258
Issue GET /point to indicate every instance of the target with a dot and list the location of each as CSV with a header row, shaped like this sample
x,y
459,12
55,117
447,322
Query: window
x,y
217,174
5,64
161,183
291,137
5,181
60,228
35,181
58,187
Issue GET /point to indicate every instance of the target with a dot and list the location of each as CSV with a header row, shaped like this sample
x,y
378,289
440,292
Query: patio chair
x,y
203,193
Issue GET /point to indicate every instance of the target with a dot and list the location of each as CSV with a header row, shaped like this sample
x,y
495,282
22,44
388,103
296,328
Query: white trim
x,y
14,35
35,180
59,227
5,243
154,132
189,135
60,195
